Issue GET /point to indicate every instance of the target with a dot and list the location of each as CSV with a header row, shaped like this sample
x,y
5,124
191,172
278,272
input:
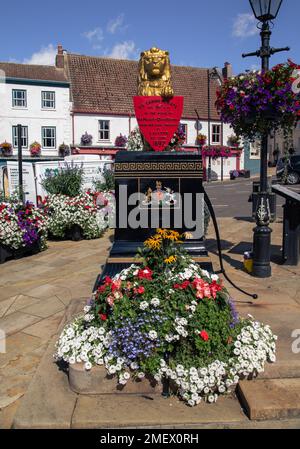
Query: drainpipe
x,y
73,129
129,125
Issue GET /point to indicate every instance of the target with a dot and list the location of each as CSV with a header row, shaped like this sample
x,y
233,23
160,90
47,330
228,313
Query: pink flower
x,y
110,300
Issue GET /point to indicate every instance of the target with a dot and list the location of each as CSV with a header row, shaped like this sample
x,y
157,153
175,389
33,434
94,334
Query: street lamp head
x,y
265,10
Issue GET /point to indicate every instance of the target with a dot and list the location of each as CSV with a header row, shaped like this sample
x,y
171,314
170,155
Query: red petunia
x,y
204,335
145,273
140,290
214,288
102,288
107,280
103,316
183,286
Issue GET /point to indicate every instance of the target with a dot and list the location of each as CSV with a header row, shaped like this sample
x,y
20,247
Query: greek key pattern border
x,y
166,167
181,174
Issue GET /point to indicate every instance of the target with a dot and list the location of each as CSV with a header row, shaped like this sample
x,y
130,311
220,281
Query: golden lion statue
x,y
155,74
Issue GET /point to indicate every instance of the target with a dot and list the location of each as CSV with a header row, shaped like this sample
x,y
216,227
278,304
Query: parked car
x,y
293,167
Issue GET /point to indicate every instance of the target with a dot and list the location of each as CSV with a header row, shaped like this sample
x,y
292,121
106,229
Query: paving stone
x,y
20,302
16,322
7,415
137,411
271,399
5,305
48,403
45,307
5,401
45,291
7,291
18,344
46,328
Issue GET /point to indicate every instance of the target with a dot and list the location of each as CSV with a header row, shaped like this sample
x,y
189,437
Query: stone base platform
x,y
50,403
97,381
270,399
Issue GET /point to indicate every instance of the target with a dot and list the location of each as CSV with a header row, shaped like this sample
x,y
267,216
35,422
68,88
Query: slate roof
x,y
106,86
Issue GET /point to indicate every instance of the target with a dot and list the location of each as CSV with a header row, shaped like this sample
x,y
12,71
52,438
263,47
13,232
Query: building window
x,y
24,136
184,128
49,137
104,130
19,98
255,149
48,100
216,135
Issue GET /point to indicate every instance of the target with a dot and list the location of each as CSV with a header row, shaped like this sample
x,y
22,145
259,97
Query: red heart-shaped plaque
x,y
158,119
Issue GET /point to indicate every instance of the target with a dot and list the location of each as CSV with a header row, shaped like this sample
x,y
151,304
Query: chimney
x,y
227,70
59,60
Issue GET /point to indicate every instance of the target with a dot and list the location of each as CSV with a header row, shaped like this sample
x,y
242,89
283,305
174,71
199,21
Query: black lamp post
x,y
265,11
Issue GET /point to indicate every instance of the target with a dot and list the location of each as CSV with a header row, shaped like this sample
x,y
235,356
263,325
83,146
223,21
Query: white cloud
x,y
244,25
116,24
95,37
124,50
45,56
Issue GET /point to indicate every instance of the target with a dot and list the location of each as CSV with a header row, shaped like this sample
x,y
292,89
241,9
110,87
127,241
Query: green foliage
x,y
107,184
65,181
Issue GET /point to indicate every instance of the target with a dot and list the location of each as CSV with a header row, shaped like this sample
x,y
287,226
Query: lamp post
x,y
264,11
212,75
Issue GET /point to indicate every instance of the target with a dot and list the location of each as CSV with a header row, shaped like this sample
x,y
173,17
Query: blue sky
x,y
203,33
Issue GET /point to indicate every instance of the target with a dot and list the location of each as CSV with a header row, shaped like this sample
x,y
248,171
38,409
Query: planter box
x,y
97,381
10,253
74,233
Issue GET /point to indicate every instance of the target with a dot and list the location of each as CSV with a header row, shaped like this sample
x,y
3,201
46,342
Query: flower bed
x,y
168,319
22,228
64,212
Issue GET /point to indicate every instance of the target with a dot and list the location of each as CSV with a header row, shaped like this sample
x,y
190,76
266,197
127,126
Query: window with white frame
x,y
24,136
184,128
48,100
49,137
19,98
104,130
216,134
255,149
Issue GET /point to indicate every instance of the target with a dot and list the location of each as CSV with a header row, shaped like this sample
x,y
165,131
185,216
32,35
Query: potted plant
x,y
234,174
233,141
86,139
35,149
6,149
72,214
121,141
201,139
259,103
64,150
23,229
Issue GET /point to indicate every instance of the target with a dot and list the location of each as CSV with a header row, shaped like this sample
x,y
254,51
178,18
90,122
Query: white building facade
x,y
41,106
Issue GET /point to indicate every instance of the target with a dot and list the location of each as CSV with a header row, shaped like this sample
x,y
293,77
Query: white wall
x,y
121,124
90,123
34,116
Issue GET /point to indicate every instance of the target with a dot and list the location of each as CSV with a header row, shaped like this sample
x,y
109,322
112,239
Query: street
x,y
230,198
